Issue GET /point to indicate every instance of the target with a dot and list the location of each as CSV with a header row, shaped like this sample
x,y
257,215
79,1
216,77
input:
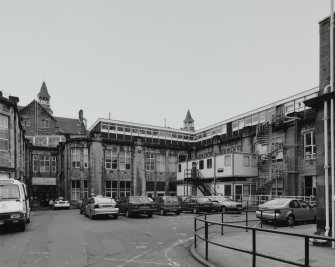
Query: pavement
x,y
282,246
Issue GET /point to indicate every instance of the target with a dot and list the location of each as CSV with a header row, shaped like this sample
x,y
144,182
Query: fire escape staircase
x,y
195,177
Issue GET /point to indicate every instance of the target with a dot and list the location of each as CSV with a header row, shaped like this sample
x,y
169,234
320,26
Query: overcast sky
x,y
144,61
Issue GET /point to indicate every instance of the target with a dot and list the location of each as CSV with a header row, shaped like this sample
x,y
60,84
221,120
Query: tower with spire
x,y
188,122
44,98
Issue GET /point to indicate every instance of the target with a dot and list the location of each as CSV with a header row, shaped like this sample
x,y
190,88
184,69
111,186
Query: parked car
x,y
99,205
197,204
168,204
226,204
78,203
286,209
137,205
83,205
60,203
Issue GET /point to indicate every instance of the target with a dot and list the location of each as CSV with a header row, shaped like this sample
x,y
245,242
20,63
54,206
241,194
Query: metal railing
x,y
254,230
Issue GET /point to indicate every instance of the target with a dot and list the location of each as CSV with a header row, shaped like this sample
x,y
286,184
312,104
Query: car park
x,y
286,209
226,204
135,205
14,203
61,203
99,206
197,204
168,204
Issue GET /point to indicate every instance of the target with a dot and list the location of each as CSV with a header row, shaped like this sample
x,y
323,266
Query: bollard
x,y
246,220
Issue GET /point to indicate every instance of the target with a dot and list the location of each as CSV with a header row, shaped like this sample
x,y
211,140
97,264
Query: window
x,y
246,189
179,167
253,162
111,159
209,163
160,163
44,124
85,158
172,163
227,160
111,189
124,157
35,163
75,190
149,162
4,133
201,165
124,189
53,164
309,145
85,190
26,121
227,189
75,158
246,161
44,163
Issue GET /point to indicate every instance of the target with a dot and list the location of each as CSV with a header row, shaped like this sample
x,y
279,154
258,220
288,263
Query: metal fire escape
x,y
195,177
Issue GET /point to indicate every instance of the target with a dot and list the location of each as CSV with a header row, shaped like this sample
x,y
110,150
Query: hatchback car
x,y
168,204
197,204
226,204
137,205
60,203
99,205
286,209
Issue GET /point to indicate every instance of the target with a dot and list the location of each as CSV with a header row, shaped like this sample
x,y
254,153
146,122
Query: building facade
x,y
12,140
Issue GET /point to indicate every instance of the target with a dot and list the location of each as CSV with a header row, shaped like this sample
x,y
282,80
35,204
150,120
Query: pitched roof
x,y
44,91
188,117
70,126
34,102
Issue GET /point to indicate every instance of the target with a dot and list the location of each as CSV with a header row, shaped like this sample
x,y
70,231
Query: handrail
x,y
254,230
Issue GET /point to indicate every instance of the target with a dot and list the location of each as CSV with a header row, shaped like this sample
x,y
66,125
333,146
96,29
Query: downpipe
x,y
326,167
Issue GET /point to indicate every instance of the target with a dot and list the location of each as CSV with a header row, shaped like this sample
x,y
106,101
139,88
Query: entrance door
x,y
238,192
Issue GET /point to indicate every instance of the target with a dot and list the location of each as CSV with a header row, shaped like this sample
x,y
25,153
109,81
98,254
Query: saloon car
x,y
134,205
286,209
198,204
226,204
99,205
60,203
168,204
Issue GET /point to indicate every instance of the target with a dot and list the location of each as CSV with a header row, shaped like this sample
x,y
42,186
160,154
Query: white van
x,y
14,203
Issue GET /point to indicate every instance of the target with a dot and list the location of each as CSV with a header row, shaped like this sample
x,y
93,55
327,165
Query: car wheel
x,y
163,212
195,211
115,216
150,215
92,217
291,220
128,215
223,209
80,212
178,213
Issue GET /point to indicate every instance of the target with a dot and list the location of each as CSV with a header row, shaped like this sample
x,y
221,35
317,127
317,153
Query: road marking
x,y
141,246
134,258
177,243
39,252
142,262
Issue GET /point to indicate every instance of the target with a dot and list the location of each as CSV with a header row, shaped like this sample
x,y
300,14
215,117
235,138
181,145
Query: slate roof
x,y
44,91
70,126
188,117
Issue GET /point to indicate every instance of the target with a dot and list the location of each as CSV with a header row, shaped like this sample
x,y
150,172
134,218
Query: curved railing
x,y
203,218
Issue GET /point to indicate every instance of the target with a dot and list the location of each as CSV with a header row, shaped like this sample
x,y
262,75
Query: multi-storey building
x,y
12,141
44,132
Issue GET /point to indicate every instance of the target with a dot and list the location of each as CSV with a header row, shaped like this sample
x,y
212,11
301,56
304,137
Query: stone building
x,y
45,132
12,140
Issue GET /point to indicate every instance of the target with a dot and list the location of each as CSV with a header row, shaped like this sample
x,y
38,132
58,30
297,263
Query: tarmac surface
x,y
276,245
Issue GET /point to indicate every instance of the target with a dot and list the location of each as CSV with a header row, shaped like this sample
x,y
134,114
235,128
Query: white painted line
x,y
134,258
177,243
39,252
142,262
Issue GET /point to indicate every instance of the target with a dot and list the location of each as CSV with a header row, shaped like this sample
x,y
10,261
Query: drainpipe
x,y
325,123
332,116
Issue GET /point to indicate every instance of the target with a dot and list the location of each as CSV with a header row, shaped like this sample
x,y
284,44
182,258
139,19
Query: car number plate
x,y
15,221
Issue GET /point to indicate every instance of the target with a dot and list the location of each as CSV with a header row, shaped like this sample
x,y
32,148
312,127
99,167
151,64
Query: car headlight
x,y
16,215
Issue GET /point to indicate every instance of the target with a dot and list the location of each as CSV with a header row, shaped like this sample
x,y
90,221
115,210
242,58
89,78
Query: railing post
x,y
275,220
195,232
222,224
206,238
246,220
253,248
307,251
261,219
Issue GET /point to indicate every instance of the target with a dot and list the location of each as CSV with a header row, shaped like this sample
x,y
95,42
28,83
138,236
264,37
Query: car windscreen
x,y
105,200
276,202
171,200
139,200
203,199
9,191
